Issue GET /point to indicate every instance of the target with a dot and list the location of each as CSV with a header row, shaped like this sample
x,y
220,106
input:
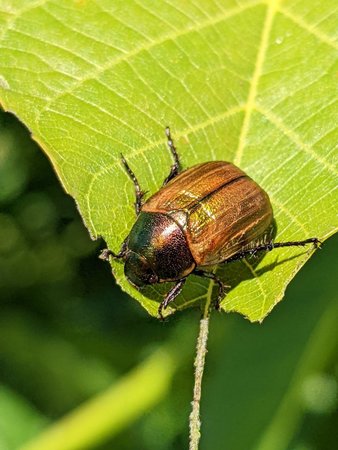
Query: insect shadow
x,y
231,274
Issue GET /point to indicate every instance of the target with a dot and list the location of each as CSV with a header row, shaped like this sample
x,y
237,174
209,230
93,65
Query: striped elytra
x,y
220,209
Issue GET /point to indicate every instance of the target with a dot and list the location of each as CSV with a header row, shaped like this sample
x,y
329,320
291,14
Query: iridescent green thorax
x,y
158,241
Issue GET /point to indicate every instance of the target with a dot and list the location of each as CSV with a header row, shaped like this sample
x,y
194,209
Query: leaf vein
x,y
259,284
266,31
293,136
146,47
309,28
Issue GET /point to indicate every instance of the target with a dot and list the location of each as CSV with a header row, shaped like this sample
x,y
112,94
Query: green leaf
x,y
251,82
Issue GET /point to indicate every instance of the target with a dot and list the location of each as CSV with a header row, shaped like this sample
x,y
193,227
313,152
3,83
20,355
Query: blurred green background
x,y
67,333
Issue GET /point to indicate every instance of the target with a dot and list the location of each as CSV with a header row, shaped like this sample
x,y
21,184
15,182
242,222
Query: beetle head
x,y
138,271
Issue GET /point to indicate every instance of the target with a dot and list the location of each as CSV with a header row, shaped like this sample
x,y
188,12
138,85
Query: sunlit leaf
x,y
251,82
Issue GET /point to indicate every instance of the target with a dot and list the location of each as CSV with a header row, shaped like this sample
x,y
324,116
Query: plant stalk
x,y
201,350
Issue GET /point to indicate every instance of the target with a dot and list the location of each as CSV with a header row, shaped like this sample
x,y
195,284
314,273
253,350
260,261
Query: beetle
x,y
208,214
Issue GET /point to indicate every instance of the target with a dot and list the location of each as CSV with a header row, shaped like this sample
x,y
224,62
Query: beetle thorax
x,y
161,248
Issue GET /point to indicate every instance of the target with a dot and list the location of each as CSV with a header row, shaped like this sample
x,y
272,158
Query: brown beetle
x,y
208,214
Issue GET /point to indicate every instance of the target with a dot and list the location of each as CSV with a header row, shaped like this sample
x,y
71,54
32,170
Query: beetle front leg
x,y
175,168
170,297
221,286
138,192
106,253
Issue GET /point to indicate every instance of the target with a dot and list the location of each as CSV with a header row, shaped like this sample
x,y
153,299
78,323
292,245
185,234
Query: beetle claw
x,y
221,296
159,311
105,254
217,305
317,243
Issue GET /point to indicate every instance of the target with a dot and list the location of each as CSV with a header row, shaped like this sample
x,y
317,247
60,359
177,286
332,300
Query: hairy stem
x,y
201,350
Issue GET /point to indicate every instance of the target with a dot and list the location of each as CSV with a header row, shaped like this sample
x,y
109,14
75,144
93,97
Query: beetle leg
x,y
106,253
221,285
314,241
138,192
175,168
171,295
271,245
